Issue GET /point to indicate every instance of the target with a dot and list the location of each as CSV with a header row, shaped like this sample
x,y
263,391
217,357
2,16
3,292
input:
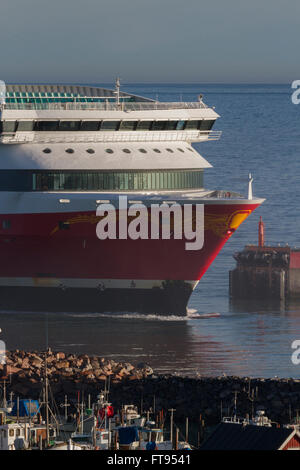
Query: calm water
x,y
261,135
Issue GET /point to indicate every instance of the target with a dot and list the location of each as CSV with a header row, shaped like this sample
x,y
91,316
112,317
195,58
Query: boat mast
x,y
46,401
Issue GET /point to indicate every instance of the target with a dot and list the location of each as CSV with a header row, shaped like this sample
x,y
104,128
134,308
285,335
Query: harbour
x,y
80,400
220,345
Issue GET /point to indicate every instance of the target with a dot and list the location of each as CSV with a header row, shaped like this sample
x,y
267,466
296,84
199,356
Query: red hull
x,y
34,246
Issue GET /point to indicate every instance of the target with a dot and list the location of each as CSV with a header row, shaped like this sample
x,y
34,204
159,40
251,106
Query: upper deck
x,y
34,113
72,97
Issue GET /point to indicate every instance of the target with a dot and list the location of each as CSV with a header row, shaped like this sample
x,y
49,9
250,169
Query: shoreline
x,y
197,398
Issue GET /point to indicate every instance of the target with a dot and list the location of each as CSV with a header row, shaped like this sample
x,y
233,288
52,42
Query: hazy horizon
x,y
169,41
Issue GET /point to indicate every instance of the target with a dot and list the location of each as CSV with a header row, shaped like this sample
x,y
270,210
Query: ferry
x,y
67,149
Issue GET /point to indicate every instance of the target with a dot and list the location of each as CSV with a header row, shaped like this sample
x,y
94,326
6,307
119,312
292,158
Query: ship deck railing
x,y
135,136
101,105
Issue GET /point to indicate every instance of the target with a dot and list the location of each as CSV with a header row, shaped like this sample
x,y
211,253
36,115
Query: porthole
x,y
90,151
191,150
70,150
47,150
143,150
157,150
126,150
180,150
170,150
109,151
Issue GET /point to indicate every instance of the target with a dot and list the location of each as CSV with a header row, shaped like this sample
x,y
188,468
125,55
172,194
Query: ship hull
x,y
55,262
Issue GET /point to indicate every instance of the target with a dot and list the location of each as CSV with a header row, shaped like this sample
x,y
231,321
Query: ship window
x,y
25,126
180,150
46,125
128,125
63,225
180,125
158,125
110,125
11,432
90,125
189,148
170,150
157,150
126,150
8,126
144,125
68,126
95,180
18,432
70,150
143,150
192,125
6,224
206,125
47,150
90,151
109,151
171,125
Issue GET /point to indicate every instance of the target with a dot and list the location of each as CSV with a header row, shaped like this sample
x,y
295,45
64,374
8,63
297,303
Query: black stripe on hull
x,y
170,300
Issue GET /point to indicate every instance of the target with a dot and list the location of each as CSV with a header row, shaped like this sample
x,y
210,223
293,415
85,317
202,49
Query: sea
x,y
260,135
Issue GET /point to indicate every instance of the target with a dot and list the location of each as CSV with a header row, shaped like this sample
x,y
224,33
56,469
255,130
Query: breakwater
x,y
198,398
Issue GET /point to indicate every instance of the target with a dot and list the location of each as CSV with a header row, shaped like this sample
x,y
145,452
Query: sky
x,y
162,41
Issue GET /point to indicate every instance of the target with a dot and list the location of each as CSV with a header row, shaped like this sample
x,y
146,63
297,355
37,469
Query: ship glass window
x,y
90,151
110,125
95,180
68,126
90,126
144,125
8,126
70,150
47,150
143,150
180,150
180,125
128,125
157,150
6,224
171,125
159,125
11,432
45,126
189,148
25,126
126,150
170,150
63,225
192,125
109,151
206,125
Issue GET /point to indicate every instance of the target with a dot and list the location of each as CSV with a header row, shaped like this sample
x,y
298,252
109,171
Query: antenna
x,y
117,90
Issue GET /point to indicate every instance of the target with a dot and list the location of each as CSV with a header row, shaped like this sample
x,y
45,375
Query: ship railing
x,y
106,106
59,137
